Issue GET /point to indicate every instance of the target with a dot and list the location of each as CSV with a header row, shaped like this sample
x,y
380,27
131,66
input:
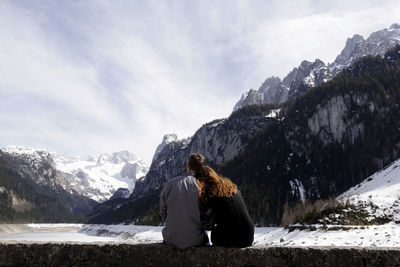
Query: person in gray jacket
x,y
179,208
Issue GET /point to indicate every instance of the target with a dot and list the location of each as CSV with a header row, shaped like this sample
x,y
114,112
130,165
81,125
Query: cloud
x,y
101,76
320,35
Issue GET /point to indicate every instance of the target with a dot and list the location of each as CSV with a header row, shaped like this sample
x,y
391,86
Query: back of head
x,y
196,164
210,183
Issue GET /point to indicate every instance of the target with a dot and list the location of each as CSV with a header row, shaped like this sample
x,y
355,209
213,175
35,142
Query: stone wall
x,y
68,254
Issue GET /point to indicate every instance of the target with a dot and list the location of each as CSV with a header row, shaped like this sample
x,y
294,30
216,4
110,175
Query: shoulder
x,y
180,179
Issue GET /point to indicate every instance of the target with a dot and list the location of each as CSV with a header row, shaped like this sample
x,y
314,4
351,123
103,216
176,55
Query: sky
x,y
94,76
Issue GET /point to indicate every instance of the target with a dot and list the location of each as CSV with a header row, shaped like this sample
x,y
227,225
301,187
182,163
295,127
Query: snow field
x,y
355,236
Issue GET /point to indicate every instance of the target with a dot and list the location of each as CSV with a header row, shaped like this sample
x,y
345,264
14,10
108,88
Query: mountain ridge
x,y
310,74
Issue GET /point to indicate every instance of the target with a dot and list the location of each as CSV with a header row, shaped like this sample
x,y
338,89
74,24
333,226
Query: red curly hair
x,y
210,183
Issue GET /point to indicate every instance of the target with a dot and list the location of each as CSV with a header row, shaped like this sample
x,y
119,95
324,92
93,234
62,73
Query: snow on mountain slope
x,y
381,189
82,174
105,176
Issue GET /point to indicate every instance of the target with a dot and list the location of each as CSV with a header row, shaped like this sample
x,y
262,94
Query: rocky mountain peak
x,y
309,74
250,97
394,26
305,64
116,157
348,49
270,82
167,139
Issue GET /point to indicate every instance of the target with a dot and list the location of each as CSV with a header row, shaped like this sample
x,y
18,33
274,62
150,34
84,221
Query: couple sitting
x,y
184,196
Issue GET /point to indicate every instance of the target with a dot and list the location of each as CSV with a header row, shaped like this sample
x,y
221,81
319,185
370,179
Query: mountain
x,y
312,147
81,175
23,199
70,185
100,179
310,74
326,141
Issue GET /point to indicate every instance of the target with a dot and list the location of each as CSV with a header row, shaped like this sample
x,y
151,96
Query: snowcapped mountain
x,y
37,164
379,193
99,179
310,74
83,175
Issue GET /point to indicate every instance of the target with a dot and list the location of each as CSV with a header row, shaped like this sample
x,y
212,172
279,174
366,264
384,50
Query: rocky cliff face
x,y
334,120
310,74
121,193
219,141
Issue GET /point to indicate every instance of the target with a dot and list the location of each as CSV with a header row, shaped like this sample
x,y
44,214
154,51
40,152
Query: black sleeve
x,y
207,217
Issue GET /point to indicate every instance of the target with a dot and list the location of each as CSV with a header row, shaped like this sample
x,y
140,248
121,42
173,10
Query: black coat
x,y
232,224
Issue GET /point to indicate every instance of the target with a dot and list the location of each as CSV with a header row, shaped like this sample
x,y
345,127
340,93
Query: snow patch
x,y
273,113
296,184
360,236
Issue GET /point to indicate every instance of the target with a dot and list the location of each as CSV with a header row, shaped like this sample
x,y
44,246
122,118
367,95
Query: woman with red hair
x,y
233,226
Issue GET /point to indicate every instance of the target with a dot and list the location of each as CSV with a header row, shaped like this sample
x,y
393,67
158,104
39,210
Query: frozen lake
x,y
56,237
386,235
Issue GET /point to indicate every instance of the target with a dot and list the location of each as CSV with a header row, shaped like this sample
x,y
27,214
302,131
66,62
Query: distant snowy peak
x,y
117,157
100,179
65,159
27,152
310,74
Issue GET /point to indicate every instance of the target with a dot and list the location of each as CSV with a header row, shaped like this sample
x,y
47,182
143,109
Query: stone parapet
x,y
70,254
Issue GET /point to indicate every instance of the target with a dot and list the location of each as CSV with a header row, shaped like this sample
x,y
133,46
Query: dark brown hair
x,y
210,183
